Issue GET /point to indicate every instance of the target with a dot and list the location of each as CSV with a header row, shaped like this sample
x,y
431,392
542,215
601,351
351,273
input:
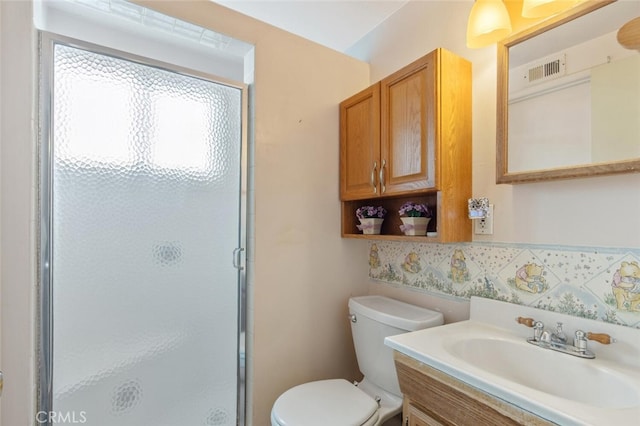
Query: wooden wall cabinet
x,y
408,137
433,398
360,145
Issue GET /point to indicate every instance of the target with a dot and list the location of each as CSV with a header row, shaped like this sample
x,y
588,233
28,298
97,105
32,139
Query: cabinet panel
x,y
449,403
408,131
360,144
415,416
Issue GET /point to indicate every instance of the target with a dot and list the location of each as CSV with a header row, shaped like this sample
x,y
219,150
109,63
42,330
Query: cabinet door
x,y
416,417
360,145
408,120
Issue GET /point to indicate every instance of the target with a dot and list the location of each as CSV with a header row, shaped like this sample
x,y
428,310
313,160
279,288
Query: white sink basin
x,y
490,352
551,372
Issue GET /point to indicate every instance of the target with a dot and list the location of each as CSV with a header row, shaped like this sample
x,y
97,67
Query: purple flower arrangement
x,y
411,209
365,212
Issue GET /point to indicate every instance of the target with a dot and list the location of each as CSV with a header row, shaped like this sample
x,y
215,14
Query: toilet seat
x,y
324,402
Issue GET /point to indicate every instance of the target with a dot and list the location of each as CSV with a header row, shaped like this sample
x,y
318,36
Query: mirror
x,y
569,97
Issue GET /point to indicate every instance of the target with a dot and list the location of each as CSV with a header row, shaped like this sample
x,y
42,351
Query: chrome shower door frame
x,y
47,41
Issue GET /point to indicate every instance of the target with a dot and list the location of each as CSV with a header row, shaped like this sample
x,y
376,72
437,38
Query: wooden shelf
x,y
405,238
391,225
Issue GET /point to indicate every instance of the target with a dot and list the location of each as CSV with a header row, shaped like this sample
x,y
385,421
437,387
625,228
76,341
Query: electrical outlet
x,y
485,226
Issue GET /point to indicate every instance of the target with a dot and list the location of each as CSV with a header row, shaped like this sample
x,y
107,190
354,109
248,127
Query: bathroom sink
x,y
557,374
490,353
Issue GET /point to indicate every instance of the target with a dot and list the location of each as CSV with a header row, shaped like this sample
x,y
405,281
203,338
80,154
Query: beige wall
x,y
301,275
302,271
17,227
599,211
592,212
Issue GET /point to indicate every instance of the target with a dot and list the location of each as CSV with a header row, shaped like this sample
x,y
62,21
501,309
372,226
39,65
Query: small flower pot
x,y
370,225
414,225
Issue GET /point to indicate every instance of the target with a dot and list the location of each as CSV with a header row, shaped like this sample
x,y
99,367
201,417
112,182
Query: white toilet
x,y
377,397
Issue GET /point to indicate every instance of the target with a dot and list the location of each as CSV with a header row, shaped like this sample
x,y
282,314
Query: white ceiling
x,y
332,23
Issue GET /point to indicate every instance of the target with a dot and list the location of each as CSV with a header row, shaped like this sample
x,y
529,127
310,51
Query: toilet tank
x,y
372,319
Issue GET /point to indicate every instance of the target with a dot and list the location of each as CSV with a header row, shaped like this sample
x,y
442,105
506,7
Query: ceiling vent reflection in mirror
x,y
547,70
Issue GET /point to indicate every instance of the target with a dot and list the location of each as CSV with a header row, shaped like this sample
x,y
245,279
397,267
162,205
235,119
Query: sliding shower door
x,y
141,198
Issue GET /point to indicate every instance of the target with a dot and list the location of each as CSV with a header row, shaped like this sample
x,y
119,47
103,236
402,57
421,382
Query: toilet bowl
x,y
377,398
325,402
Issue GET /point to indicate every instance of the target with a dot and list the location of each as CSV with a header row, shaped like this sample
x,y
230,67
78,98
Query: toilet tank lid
x,y
395,313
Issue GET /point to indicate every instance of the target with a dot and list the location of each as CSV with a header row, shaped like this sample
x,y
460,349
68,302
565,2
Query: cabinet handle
x,y
383,187
373,177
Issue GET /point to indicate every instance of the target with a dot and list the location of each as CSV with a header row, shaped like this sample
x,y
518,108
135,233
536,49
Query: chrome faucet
x,y
558,337
557,340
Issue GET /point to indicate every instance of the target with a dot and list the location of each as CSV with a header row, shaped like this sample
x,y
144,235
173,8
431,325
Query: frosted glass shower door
x,y
145,169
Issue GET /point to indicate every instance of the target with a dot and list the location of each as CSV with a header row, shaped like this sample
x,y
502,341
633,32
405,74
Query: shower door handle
x,y
237,261
1,382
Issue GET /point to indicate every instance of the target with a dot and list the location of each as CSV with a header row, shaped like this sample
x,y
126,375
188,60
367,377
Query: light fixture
x,y
488,23
629,34
544,8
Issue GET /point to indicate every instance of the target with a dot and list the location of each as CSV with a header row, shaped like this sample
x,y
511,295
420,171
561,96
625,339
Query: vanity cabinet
x,y
433,398
415,416
408,138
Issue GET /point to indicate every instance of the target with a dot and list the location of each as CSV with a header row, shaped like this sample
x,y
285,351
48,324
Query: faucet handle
x,y
603,338
529,322
580,341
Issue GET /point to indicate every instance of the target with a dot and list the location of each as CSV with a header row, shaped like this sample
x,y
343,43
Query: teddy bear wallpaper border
x,y
596,283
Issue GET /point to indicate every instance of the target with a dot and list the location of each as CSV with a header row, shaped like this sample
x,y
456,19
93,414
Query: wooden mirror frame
x,y
502,145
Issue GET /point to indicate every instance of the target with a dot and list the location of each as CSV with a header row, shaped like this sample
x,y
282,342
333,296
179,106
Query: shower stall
x,y
141,199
